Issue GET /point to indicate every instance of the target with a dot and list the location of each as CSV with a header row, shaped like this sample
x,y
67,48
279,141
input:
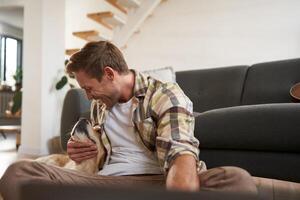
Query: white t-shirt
x,y
129,155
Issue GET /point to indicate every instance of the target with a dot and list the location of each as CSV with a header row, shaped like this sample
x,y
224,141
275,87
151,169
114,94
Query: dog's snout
x,y
81,126
82,130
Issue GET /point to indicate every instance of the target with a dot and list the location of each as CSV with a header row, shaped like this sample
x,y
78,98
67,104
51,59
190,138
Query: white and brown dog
x,y
81,132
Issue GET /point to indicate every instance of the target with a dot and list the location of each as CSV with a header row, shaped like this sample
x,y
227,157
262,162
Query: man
x,y
148,133
161,115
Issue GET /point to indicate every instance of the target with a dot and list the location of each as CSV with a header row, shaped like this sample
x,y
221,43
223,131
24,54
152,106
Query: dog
x,y
81,132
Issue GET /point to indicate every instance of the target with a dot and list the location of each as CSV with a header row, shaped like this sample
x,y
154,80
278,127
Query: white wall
x,y
195,34
44,43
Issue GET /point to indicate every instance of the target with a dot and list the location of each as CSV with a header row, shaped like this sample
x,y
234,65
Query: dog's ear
x,y
98,112
93,114
102,159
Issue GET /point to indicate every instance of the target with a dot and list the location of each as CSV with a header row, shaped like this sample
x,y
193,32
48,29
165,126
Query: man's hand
x,y
79,151
183,174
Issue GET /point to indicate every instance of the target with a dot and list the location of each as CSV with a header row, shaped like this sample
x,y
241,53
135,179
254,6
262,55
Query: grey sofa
x,y
245,116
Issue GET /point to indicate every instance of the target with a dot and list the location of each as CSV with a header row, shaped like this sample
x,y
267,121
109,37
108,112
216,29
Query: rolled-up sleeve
x,y
175,124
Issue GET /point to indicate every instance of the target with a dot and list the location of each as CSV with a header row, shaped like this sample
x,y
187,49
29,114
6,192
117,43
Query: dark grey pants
x,y
218,179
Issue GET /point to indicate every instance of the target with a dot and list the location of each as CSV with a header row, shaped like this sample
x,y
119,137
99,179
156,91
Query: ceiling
x,y
12,15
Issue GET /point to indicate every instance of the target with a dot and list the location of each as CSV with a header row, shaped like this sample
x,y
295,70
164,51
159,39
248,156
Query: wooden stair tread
x,y
89,36
116,5
129,3
124,5
71,51
86,33
107,19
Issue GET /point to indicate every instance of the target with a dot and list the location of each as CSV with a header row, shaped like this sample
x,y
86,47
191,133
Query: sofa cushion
x,y
271,82
213,88
265,127
278,165
164,74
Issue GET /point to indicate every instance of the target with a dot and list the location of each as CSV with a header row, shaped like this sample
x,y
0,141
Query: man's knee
x,y
15,169
10,180
237,172
240,178
19,166
229,179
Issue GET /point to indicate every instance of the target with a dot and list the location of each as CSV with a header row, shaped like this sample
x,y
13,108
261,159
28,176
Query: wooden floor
x,y
8,152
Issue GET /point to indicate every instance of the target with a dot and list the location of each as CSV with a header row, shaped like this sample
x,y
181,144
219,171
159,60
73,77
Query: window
x,y
10,59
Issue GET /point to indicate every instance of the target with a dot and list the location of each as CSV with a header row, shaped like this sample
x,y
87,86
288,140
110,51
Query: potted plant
x,y
64,81
16,103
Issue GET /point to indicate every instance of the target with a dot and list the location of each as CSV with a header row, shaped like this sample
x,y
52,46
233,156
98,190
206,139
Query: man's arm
x,y
182,174
177,147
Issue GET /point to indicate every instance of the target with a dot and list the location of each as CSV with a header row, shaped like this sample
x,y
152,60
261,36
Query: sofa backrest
x,y
213,88
270,82
75,105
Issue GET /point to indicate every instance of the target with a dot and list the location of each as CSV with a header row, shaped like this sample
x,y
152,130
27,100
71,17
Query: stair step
x,y
89,36
124,5
134,21
129,3
115,4
107,19
70,52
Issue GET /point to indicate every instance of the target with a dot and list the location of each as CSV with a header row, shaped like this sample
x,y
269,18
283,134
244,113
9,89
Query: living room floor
x,y
8,151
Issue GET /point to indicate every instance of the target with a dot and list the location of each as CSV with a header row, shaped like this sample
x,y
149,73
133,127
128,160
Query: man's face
x,y
106,90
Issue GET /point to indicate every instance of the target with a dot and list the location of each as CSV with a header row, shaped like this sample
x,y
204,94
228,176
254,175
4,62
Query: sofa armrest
x,y
265,127
75,105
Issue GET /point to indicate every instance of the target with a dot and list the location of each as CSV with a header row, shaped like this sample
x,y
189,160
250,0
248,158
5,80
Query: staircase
x,y
135,12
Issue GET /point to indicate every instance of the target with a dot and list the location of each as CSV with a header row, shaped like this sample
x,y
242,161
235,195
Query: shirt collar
x,y
98,109
141,84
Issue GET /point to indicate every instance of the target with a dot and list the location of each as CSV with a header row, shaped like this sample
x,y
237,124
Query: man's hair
x,y
94,57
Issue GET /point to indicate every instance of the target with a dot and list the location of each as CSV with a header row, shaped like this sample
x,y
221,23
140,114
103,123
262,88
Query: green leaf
x,y
18,76
17,102
60,84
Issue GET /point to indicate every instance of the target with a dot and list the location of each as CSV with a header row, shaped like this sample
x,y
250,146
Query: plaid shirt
x,y
163,118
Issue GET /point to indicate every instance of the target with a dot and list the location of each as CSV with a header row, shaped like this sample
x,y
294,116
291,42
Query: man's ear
x,y
109,73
